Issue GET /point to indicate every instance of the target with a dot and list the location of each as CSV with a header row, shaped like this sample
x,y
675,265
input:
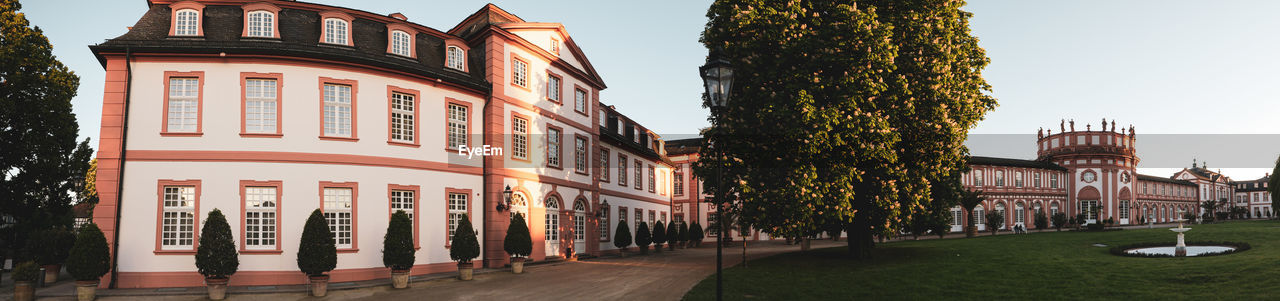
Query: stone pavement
x,y
665,276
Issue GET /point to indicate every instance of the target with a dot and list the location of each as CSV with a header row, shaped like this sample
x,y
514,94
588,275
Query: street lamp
x,y
717,77
603,211
505,203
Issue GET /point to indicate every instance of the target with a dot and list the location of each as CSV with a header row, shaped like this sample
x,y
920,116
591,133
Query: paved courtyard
x,y
665,276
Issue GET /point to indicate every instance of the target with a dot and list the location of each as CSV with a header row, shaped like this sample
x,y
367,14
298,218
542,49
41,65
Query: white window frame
x,y
184,105
261,105
337,106
455,58
520,138
402,113
457,125
554,88
401,199
261,24
186,23
338,202
554,147
260,217
579,221
336,31
457,208
551,221
580,100
401,43
178,218
519,73
580,154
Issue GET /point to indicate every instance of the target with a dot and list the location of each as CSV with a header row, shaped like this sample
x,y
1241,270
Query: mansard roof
x,y
684,146
300,29
980,160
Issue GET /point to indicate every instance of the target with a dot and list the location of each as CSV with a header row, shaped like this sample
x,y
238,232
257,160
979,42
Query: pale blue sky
x,y
1169,67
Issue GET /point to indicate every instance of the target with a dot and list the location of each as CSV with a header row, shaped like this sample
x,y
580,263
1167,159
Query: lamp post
x,y
717,78
505,203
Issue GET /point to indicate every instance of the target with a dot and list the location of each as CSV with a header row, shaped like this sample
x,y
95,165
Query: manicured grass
x,y
1048,265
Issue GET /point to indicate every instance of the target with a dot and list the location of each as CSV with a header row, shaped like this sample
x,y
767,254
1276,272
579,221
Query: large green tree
x,y
869,104
41,165
1273,184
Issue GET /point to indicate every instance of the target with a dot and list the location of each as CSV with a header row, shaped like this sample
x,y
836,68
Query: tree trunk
x,y
969,229
860,240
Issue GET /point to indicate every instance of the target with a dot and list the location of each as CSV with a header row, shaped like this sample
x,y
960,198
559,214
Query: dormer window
x,y
335,31
187,23
400,43
454,58
261,24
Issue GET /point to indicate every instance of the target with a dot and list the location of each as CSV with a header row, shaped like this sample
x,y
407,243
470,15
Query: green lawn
x,y
1049,265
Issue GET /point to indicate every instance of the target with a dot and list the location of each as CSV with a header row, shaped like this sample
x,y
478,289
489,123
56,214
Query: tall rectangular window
x,y
520,138
177,230
260,105
603,225
652,218
402,114
402,200
457,125
337,110
519,72
579,228
260,205
678,180
652,182
639,219
553,88
639,173
580,100
622,170
553,147
457,209
184,105
580,154
604,164
337,209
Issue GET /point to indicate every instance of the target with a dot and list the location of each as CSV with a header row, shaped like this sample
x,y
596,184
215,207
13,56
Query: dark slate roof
x,y
299,37
683,146
1253,185
979,160
1142,177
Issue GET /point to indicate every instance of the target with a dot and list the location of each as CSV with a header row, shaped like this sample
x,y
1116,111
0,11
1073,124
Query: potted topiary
x,y
317,253
658,236
622,239
673,236
24,277
90,258
216,257
51,250
643,239
397,249
695,234
464,248
518,243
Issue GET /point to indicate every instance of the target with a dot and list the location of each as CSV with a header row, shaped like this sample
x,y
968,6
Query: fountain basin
x,y
1171,251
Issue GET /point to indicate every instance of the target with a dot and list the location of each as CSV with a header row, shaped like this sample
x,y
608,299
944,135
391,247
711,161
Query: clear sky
x,y
1167,67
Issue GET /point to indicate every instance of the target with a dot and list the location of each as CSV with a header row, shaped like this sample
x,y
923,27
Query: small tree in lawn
x,y
464,244
970,200
90,258
1041,220
622,237
397,244
695,233
642,238
659,236
518,243
317,252
994,220
216,257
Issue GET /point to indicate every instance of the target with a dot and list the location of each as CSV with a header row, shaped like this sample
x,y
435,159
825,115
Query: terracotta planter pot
x,y
399,278
217,288
517,265
465,271
51,273
24,291
87,290
319,285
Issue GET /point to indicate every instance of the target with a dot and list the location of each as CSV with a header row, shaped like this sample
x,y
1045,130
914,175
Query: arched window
x,y
552,218
335,31
579,220
400,43
187,23
519,205
979,216
1053,209
1017,179
454,58
1019,214
957,216
977,177
999,178
1000,210
261,24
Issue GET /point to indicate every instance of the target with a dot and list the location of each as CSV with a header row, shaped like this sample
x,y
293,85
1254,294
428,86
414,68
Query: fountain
x,y
1181,249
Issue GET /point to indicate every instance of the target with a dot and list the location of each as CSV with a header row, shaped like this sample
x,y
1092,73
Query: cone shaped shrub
x,y
216,257
659,234
695,232
90,258
673,233
518,243
622,236
317,253
397,244
642,237
465,246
